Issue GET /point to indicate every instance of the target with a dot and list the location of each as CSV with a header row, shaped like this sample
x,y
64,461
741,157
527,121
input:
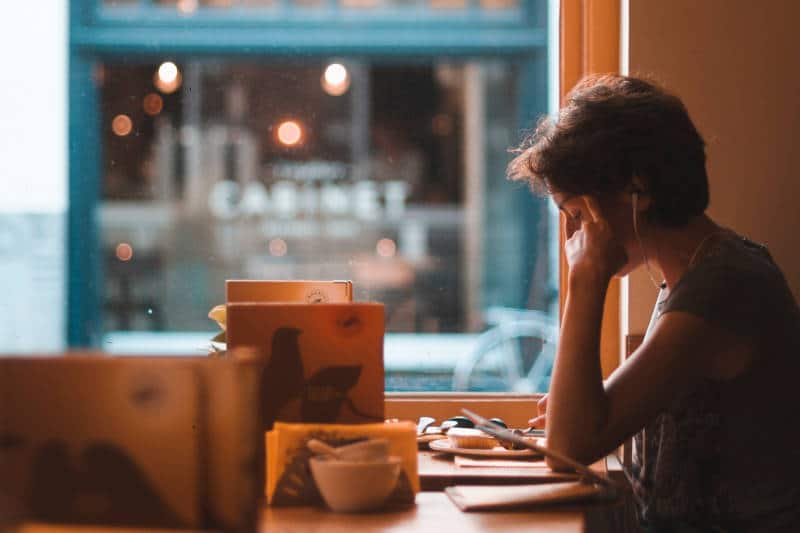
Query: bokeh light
x,y
386,248
336,79
152,104
277,247
168,77
124,251
168,72
122,125
290,133
187,7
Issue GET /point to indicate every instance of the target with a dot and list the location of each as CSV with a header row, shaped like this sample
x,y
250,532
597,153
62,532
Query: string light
x,y
277,247
336,79
122,125
153,104
124,251
386,248
168,77
290,133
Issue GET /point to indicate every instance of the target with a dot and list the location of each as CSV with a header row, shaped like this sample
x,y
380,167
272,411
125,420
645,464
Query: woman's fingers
x,y
541,405
593,207
537,422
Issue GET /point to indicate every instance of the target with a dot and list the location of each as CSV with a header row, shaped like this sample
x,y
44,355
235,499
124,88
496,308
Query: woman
x,y
708,393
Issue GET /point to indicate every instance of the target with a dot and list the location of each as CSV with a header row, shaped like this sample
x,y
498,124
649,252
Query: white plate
x,y
498,451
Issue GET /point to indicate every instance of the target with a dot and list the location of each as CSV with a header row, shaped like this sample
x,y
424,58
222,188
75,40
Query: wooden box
x,y
321,362
152,442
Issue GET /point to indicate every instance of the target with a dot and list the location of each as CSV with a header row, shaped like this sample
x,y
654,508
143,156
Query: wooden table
x,y
434,512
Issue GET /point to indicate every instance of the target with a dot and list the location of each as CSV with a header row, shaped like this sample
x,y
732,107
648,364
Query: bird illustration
x,y
326,391
104,486
282,376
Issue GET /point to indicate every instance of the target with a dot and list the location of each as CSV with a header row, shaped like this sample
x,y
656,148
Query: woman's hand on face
x,y
591,249
538,421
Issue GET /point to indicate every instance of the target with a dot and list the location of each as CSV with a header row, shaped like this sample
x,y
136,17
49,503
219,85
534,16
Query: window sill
x,y
514,409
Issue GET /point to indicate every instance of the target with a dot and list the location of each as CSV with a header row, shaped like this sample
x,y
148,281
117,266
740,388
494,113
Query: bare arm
x,y
587,418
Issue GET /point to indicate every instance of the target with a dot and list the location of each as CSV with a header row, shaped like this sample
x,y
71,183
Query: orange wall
x,y
736,64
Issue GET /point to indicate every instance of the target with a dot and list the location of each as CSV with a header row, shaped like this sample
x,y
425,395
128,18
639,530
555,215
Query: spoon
x,y
365,450
317,446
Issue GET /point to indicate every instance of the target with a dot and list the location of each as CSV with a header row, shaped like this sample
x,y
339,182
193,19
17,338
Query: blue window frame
x,y
145,30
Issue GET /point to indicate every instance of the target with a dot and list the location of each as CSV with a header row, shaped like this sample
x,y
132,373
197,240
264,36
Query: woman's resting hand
x,y
538,421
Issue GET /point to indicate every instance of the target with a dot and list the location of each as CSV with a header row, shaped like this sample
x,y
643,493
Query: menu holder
x,y
321,363
152,442
289,480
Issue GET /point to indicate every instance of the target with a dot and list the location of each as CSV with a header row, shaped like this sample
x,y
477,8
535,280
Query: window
x,y
362,140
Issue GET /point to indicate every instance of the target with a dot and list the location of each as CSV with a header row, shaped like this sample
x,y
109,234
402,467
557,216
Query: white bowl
x,y
353,486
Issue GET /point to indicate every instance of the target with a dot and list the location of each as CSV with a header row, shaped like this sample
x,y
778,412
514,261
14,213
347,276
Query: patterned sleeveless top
x,y
726,455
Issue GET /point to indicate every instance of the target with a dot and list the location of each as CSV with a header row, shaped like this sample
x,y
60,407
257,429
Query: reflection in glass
x,y
188,7
256,170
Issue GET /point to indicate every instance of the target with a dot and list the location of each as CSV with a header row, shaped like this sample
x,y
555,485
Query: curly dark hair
x,y
613,128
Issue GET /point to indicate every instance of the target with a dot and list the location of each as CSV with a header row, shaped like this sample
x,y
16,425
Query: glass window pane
x,y
390,174
190,6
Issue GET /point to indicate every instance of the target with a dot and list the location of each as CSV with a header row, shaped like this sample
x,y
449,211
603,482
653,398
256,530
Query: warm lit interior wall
x,y
736,64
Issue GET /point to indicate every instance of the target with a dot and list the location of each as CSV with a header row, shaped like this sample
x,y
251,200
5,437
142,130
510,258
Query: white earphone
x,y
635,202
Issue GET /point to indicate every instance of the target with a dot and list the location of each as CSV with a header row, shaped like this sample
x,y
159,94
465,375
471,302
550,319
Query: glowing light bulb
x,y
168,77
335,74
152,104
187,7
124,251
277,247
168,72
386,248
122,125
336,79
290,133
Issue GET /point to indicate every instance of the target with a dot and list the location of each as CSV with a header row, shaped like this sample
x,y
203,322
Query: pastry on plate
x,y
471,438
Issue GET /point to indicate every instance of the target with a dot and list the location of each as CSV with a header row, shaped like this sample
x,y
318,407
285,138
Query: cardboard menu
x,y
301,291
234,444
321,363
289,480
137,441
